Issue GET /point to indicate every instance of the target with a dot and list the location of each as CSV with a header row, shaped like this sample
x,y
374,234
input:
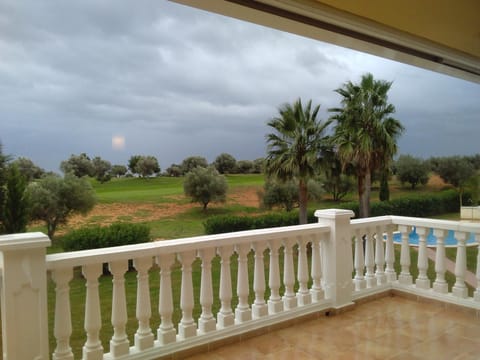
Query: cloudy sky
x,y
170,81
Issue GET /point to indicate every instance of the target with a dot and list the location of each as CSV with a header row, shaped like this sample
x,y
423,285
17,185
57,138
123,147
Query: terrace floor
x,y
392,327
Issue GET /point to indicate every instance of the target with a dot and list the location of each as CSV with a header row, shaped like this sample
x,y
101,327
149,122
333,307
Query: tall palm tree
x,y
294,147
365,133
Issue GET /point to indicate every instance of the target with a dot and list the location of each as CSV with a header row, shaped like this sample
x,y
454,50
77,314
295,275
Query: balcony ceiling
x,y
439,35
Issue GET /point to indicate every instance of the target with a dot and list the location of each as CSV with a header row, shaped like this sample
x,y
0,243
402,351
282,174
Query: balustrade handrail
x,y
127,252
413,221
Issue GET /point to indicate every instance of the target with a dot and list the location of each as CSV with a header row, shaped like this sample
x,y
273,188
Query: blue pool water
x,y
432,240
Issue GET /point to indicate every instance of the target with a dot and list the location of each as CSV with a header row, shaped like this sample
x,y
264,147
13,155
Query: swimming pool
x,y
449,240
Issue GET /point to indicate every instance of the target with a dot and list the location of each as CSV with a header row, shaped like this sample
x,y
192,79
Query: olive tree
x,y
78,165
205,185
54,199
411,170
191,162
225,163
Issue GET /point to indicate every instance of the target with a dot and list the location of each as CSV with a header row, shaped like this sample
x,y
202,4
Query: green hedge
x,y
94,237
418,206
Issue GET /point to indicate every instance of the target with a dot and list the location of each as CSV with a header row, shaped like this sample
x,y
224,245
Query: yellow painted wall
x,y
453,23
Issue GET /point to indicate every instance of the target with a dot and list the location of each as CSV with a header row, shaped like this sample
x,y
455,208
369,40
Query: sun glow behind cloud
x,y
118,142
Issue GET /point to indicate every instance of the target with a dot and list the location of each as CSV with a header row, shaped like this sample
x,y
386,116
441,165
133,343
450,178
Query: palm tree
x,y
365,133
294,148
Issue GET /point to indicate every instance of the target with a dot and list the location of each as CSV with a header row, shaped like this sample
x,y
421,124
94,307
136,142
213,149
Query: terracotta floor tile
x,y
390,328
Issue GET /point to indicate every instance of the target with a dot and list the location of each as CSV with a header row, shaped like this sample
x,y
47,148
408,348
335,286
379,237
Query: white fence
x,y
281,274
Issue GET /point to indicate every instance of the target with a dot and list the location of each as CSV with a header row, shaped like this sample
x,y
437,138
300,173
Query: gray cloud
x,y
177,81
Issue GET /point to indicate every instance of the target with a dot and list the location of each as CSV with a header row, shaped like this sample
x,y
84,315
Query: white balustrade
x,y
422,281
243,312
379,256
440,285
63,323
207,322
93,349
259,307
275,303
225,316
359,262
331,270
369,260
166,333
187,327
303,294
144,335
476,295
460,289
289,297
405,277
316,270
119,344
390,255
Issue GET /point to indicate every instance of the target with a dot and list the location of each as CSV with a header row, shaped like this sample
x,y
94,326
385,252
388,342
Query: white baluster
x,y
405,277
440,285
422,281
275,304
316,271
369,260
206,323
303,294
93,349
289,298
460,289
380,256
359,263
166,333
476,295
259,307
187,327
225,316
119,344
390,256
144,334
63,322
242,311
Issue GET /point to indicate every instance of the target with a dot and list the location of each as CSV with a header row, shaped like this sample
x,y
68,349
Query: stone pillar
x,y
24,296
337,256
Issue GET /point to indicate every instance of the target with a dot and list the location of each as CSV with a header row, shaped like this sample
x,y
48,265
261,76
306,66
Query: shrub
x,y
419,206
94,237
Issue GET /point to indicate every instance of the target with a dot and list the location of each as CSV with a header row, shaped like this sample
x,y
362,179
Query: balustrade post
x,y
63,318
422,281
405,277
259,307
359,263
390,256
225,316
242,311
289,298
93,349
440,285
207,322
316,271
303,294
275,304
337,256
24,296
119,344
476,294
166,332
459,289
144,335
369,260
187,327
380,257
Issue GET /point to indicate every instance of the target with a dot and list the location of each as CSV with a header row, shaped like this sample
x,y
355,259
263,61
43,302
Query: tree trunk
x,y
303,199
364,189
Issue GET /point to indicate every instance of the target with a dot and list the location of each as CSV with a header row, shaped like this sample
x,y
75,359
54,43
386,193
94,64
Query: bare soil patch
x,y
105,214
